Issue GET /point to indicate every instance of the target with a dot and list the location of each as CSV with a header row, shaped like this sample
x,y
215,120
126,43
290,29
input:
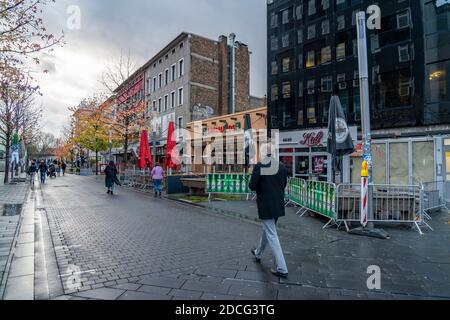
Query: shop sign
x,y
310,138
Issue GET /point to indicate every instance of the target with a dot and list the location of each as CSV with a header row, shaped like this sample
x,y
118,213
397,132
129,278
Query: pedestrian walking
x,y
43,169
111,177
32,172
270,190
157,177
63,168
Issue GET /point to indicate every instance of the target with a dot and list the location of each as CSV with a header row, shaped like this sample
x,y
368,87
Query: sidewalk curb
x,y
4,281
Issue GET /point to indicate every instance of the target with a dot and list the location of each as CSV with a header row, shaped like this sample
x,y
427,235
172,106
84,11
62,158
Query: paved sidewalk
x,y
12,197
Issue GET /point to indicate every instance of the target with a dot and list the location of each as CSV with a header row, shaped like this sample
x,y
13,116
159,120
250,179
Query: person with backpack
x,y
111,177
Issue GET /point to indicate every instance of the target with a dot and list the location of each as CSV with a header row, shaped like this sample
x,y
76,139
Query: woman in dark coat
x,y
111,177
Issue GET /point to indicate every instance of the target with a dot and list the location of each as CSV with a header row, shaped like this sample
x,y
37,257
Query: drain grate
x,y
10,210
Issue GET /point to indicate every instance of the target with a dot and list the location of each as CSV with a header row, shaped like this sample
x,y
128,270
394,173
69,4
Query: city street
x,y
132,246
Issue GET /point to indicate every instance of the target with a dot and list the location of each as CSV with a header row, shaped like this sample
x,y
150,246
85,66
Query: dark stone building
x,y
312,51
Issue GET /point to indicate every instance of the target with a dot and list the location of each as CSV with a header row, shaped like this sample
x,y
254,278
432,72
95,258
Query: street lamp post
x,y
365,125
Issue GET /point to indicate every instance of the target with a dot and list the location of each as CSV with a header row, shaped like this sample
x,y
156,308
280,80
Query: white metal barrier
x,y
137,179
433,199
391,204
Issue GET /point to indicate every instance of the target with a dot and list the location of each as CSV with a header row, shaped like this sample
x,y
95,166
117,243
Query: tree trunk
x,y
125,149
96,162
7,156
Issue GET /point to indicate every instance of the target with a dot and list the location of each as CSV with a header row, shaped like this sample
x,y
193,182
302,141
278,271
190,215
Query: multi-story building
x,y
312,52
195,78
129,113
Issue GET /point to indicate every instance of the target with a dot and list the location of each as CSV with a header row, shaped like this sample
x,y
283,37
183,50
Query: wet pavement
x,y
132,246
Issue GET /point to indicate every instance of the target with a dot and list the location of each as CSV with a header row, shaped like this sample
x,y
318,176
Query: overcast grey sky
x,y
143,27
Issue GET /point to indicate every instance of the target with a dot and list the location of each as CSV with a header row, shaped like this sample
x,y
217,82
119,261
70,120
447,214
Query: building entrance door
x,y
447,170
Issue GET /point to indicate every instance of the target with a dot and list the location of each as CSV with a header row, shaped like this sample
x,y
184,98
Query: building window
x,y
166,76
160,81
356,79
300,89
300,118
180,123
286,90
273,43
274,20
285,16
154,106
173,72
154,84
286,65
172,99
375,43
325,4
274,92
403,20
311,59
325,55
180,97
438,77
423,161
159,105
325,27
311,7
311,86
376,77
403,53
300,36
312,115
342,84
311,32
354,13
340,4
341,23
181,67
404,87
299,12
398,163
340,51
327,84
274,68
355,47
166,102
285,40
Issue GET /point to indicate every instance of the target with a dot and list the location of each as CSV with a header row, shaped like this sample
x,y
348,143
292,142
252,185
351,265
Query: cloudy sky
x,y
142,27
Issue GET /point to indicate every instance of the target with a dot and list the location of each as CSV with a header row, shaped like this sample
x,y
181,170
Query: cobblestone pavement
x,y
9,195
133,246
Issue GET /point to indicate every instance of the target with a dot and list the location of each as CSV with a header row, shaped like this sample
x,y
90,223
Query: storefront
x,y
229,128
402,157
305,155
406,161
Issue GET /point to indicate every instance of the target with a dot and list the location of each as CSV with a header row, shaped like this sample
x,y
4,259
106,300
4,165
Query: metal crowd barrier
x,y
391,204
433,199
315,196
137,179
228,183
342,203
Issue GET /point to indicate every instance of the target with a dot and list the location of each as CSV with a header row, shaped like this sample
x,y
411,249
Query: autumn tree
x,y
129,116
92,127
17,112
22,32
